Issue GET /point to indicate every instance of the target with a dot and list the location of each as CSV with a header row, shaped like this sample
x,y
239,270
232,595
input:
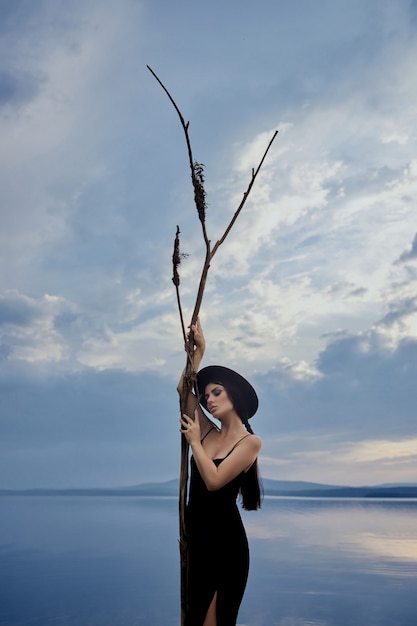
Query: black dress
x,y
218,549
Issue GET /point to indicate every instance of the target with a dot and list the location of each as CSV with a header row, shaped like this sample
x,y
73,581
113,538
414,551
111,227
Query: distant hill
x,y
271,488
290,486
312,490
169,488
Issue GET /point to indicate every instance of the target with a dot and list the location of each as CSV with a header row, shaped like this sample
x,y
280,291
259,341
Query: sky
x,y
313,295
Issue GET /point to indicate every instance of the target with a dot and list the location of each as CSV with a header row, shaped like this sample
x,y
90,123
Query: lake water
x,y
110,561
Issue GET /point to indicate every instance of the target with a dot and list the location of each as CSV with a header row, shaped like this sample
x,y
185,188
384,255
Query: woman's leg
x,y
211,619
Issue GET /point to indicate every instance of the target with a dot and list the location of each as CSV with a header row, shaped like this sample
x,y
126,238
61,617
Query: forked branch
x,y
189,379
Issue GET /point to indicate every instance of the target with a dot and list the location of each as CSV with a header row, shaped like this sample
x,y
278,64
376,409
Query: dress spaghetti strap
x,y
237,443
208,432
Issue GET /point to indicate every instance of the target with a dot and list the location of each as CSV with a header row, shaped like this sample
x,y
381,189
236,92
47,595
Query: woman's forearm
x,y
198,357
206,467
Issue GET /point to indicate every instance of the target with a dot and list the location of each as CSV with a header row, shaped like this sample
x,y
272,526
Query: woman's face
x,y
217,399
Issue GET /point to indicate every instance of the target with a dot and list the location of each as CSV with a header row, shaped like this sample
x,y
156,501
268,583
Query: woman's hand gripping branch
x,y
199,343
191,428
191,402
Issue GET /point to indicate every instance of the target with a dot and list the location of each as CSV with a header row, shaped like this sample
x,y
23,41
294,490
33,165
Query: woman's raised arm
x,y
191,401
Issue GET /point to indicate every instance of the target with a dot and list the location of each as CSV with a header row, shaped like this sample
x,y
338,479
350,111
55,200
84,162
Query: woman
x,y
223,463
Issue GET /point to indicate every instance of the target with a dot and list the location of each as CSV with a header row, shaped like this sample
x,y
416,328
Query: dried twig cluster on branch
x,y
197,178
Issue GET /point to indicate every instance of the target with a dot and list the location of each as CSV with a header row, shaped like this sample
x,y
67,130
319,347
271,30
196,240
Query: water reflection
x,y
110,561
333,563
381,528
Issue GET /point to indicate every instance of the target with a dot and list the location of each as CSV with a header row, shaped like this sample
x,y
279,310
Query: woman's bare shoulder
x,y
254,442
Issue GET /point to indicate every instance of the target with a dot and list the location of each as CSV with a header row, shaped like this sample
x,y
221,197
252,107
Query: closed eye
x,y
216,392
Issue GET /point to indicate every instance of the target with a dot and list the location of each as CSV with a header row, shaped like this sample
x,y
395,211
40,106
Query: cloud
x,y
18,89
337,459
27,327
54,141
410,254
138,348
87,428
16,309
313,294
384,451
365,390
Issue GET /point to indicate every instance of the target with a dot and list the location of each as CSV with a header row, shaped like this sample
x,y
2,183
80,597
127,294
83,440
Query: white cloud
x,y
331,267
28,333
144,347
336,460
53,147
314,291
384,451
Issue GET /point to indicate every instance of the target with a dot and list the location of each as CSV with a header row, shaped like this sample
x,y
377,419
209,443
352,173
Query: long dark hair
x,y
251,489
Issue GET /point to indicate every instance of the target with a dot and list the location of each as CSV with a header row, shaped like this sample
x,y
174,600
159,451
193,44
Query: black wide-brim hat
x,y
223,376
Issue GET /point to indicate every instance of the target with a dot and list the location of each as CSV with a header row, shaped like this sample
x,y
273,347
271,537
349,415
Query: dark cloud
x,y
18,88
359,292
400,311
87,428
114,427
410,254
14,14
17,309
64,321
93,406
365,389
5,352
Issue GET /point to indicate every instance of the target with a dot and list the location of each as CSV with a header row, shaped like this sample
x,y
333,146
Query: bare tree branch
x,y
245,197
196,180
189,379
176,260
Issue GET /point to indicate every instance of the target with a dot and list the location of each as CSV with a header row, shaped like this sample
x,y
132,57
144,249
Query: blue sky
x,y
314,294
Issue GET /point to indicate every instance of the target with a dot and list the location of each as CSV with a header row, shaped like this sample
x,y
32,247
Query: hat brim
x,y
224,375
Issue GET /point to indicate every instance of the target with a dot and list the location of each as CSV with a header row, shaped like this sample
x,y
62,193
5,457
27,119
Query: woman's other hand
x,y
191,428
